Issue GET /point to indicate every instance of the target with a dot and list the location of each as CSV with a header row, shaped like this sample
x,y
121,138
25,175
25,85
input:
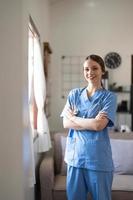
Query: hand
x,y
69,113
101,115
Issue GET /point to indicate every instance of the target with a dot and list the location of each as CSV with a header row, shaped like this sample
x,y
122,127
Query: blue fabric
x,y
86,148
81,181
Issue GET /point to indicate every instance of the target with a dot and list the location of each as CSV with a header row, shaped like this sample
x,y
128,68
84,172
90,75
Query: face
x,y
92,72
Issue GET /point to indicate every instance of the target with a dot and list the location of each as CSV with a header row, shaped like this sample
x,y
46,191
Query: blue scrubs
x,y
88,153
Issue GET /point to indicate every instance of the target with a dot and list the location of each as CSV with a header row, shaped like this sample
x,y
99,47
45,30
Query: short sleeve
x,y
109,106
70,102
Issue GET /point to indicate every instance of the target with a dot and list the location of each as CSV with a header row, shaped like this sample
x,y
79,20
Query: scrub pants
x,y
82,181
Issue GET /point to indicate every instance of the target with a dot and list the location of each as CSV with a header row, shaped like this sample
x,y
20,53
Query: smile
x,y
90,77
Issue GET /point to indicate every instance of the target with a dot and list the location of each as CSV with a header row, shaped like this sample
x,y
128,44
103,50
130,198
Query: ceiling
x,y
54,1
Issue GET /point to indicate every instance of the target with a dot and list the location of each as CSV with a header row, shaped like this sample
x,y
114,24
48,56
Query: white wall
x,y
40,13
11,167
81,27
15,148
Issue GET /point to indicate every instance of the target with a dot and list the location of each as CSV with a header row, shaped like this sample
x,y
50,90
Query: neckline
x,y
91,96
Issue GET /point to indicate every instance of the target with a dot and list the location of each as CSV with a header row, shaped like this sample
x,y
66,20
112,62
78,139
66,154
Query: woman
x,y
88,113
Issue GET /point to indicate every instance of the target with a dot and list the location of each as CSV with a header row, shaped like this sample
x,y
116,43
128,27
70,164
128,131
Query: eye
x,y
95,68
86,69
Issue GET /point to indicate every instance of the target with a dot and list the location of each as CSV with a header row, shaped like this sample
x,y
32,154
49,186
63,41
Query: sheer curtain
x,y
43,141
38,125
31,171
37,96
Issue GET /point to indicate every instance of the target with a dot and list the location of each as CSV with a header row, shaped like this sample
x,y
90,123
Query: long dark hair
x,y
97,59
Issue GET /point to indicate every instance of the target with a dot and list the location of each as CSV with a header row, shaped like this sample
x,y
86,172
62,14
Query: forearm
x,y
78,123
67,123
90,123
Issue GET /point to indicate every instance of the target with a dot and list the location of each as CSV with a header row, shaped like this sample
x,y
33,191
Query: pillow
x,y
122,153
63,164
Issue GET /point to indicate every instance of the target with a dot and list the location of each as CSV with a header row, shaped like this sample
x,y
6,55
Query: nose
x,y
90,72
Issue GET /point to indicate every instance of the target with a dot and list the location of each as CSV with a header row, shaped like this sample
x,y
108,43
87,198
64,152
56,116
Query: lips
x,y
90,77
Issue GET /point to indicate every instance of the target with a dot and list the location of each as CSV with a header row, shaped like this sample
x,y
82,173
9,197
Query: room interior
x,y
87,29
74,29
85,21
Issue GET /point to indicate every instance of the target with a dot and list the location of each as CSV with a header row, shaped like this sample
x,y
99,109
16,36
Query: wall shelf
x,y
123,91
124,113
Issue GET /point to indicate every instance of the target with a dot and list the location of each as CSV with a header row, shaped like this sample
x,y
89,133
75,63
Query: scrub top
x,y
87,148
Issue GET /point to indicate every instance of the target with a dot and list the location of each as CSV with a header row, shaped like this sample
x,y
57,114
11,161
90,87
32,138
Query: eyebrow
x,y
91,66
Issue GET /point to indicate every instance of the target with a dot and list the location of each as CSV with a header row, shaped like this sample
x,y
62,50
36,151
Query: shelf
x,y
123,112
123,91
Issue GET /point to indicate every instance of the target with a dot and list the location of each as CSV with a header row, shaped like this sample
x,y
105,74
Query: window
x,y
37,91
33,37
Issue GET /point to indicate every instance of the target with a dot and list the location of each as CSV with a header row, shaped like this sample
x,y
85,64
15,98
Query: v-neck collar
x,y
90,98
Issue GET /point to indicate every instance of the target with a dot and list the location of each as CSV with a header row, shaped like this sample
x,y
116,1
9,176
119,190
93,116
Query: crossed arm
x,y
78,123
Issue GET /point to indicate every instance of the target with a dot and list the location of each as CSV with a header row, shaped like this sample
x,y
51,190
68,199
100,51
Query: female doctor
x,y
88,113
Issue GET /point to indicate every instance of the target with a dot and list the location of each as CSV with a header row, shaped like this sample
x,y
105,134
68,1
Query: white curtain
x,y
31,171
43,141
